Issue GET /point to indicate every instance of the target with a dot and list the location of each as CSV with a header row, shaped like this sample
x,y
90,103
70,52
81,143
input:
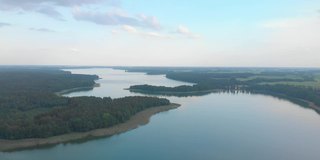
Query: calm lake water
x,y
221,126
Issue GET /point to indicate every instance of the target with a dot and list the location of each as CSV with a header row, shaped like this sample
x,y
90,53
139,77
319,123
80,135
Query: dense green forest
x,y
30,107
297,85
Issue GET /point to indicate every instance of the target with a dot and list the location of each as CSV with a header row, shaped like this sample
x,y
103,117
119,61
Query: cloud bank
x,y
111,18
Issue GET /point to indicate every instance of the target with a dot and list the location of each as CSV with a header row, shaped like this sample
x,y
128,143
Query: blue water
x,y
220,126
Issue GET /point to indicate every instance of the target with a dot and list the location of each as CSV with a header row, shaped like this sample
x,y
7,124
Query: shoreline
x,y
310,104
139,119
78,89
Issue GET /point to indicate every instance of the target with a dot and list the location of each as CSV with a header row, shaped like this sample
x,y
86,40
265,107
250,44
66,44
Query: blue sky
x,y
273,33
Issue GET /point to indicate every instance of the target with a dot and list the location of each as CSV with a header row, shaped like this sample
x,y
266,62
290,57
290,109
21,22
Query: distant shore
x,y
135,121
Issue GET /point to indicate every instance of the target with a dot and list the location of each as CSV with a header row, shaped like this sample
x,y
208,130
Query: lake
x,y
221,126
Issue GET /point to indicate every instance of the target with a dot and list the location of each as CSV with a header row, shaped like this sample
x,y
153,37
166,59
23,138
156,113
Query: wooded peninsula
x,y
30,107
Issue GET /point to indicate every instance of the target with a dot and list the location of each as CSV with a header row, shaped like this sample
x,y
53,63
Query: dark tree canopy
x,y
30,107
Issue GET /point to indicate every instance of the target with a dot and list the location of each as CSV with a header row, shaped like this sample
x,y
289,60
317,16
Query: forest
x,y
30,107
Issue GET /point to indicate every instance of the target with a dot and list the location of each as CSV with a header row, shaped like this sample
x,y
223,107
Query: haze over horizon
x,y
229,33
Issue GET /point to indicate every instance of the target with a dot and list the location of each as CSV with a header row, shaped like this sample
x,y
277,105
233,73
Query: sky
x,y
228,33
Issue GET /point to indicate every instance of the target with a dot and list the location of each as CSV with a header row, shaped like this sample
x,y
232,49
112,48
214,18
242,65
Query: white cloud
x,y
135,31
155,35
182,30
129,29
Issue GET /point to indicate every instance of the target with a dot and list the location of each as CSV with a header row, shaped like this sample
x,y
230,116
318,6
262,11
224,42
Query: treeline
x,y
256,81
253,78
79,114
206,77
30,107
303,93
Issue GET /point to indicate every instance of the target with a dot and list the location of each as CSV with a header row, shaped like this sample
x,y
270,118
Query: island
x,y
33,112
